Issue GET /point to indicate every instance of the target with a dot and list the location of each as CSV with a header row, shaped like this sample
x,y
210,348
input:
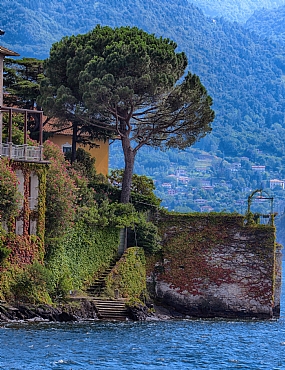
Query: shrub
x,y
9,194
31,284
128,277
60,192
145,234
4,253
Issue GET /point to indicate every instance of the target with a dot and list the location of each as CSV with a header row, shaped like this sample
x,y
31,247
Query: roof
x,y
53,127
7,52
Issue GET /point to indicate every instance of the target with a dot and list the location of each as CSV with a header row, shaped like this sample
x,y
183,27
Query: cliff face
x,y
214,266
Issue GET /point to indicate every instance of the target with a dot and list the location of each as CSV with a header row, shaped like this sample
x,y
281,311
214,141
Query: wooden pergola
x,y
4,52
17,152
25,151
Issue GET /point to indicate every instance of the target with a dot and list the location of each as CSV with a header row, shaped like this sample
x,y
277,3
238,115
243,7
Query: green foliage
x,y
235,10
6,282
9,194
17,129
267,22
84,164
105,191
107,214
140,184
60,192
4,253
128,277
21,81
142,190
31,284
75,259
126,82
145,234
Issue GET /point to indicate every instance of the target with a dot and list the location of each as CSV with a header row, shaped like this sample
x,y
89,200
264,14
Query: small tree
x,y
127,82
21,81
60,193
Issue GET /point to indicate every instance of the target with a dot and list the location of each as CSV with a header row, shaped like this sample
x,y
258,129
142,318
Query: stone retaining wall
x,y
214,266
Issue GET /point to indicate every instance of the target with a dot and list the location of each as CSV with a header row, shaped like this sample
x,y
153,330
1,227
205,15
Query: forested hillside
x,y
269,23
32,26
243,71
235,10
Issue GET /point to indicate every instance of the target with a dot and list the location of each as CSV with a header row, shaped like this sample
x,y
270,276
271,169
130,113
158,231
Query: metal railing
x,y
22,152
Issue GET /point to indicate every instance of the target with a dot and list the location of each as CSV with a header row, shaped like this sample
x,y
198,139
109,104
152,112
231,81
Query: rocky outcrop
x,y
83,309
154,312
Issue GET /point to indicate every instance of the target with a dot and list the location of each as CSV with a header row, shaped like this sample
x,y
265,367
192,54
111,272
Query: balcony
x,y
22,152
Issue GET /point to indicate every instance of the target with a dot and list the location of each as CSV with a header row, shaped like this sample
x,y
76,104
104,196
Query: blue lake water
x,y
199,344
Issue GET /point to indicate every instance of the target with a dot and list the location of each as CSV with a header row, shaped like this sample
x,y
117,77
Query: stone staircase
x,y
111,309
107,309
97,288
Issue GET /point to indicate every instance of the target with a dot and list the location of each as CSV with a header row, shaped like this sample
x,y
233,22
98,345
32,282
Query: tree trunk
x,y
129,155
74,141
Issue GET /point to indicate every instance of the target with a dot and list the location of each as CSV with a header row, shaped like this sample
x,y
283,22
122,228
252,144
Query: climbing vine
x,y
76,259
194,252
9,195
128,277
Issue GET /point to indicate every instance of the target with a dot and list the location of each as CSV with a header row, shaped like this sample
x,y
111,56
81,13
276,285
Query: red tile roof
x,y
54,127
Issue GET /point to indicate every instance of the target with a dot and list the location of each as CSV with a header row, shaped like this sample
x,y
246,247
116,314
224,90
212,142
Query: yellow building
x,y
63,139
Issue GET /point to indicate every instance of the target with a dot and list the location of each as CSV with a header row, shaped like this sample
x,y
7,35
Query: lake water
x,y
199,344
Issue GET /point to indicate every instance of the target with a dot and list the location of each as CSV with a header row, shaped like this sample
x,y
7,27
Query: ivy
x,y
76,258
9,195
189,240
128,277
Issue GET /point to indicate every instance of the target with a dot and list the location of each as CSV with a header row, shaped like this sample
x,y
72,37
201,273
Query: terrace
x,y
23,152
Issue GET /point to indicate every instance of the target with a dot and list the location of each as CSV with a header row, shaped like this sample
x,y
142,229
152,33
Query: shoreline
x,y
84,310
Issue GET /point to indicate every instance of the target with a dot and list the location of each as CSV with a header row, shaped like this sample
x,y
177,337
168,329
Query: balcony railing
x,y
22,152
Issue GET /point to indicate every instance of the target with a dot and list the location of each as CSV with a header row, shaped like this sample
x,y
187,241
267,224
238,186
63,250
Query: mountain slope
x,y
235,10
242,70
269,24
244,73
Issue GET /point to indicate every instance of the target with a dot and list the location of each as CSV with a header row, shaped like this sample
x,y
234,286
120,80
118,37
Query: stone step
x,y
98,286
111,309
110,301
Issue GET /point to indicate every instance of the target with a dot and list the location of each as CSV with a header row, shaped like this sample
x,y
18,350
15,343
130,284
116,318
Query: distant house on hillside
x,y
258,168
275,182
63,139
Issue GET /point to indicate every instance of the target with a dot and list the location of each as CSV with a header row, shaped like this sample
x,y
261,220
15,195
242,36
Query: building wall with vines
x,y
24,235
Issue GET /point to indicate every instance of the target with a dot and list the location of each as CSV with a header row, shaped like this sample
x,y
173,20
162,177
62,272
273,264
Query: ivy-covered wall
x,y
77,258
212,265
25,248
19,252
39,170
128,278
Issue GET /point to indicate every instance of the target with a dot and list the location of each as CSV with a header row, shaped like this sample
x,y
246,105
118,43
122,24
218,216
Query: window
x,y
66,148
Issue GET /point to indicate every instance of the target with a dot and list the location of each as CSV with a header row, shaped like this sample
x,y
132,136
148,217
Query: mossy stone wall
x,y
212,265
